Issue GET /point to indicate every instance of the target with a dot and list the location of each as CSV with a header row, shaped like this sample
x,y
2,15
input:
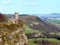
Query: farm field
x,y
54,21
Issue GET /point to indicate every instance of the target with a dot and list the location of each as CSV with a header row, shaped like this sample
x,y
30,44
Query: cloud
x,y
6,1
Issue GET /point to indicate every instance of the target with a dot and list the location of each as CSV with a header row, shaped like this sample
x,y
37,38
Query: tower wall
x,y
16,17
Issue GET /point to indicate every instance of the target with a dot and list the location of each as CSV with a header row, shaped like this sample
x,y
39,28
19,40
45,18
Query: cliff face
x,y
12,34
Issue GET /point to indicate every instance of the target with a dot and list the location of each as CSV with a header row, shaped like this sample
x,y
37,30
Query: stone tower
x,y
16,17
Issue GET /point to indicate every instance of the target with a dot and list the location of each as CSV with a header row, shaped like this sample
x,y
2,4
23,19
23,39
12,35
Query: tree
x,y
3,17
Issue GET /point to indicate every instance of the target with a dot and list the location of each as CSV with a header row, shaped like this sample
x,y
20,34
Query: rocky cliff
x,y
12,34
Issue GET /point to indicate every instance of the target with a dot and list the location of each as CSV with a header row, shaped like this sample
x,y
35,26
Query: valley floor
x,y
44,41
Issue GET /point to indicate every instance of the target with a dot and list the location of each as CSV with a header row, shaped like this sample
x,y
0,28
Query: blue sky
x,y
30,6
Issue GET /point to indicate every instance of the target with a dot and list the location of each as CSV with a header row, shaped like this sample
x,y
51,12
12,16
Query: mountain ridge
x,y
37,23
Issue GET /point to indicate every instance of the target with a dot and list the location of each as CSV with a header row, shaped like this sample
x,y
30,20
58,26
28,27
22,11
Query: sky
x,y
30,6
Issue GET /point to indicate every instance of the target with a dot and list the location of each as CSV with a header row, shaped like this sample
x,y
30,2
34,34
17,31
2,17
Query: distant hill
x,y
36,23
48,15
55,13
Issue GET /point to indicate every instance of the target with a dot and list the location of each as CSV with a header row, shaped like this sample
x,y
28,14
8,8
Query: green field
x,y
54,21
28,30
52,40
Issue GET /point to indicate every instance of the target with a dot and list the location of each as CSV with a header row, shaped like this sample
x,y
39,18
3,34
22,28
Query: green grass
x,y
48,39
30,42
28,30
57,22
52,40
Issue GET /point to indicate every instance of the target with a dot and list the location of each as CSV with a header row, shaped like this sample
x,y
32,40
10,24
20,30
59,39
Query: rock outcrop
x,y
12,34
